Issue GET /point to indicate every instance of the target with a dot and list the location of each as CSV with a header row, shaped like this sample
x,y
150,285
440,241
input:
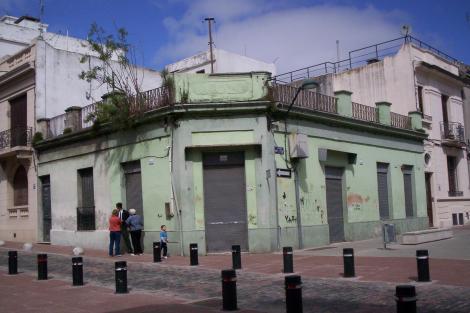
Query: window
x,y
201,71
445,116
20,187
408,189
452,176
86,200
382,183
420,98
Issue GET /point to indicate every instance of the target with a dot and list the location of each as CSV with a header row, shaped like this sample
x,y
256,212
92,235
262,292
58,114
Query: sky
x,y
291,33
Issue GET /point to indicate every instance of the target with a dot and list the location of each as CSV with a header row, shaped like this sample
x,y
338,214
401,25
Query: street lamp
x,y
306,84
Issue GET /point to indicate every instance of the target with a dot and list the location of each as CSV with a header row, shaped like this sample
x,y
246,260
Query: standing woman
x,y
114,233
136,225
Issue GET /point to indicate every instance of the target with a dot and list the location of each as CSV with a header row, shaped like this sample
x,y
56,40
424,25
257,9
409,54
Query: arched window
x,y
20,187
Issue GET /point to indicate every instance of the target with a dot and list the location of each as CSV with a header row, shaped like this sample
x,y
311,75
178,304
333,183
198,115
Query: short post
x,y
422,258
157,252
288,258
229,290
405,296
293,285
42,266
236,257
12,262
348,261
120,268
77,271
193,254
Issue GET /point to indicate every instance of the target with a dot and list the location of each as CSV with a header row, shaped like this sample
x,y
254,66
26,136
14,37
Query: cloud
x,y
293,36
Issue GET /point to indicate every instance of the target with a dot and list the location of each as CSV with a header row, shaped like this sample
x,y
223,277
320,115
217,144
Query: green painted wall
x,y
197,88
361,191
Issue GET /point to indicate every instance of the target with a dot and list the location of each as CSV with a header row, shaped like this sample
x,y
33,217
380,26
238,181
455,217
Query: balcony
x,y
455,193
452,133
15,137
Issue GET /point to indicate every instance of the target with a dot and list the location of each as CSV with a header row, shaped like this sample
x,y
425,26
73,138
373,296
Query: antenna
x,y
337,51
405,30
211,20
41,15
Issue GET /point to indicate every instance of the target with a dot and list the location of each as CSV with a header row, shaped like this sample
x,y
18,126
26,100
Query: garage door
x,y
334,202
225,201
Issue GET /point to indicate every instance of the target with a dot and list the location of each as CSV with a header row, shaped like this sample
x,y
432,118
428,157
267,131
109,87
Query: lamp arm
x,y
293,100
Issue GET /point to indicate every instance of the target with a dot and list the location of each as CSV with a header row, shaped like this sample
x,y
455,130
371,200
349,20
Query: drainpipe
x,y
173,199
297,206
276,203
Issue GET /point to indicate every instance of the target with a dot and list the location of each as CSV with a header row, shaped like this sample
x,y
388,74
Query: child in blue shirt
x,y
163,240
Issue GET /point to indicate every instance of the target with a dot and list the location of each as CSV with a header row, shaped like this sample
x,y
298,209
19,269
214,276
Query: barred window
x,y
86,200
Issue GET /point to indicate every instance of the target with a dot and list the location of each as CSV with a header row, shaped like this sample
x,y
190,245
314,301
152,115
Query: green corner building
x,y
214,163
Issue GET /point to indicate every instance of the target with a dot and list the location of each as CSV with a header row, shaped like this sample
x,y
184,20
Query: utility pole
x,y
210,20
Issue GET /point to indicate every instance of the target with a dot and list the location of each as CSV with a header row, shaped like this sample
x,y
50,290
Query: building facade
x,y
216,164
413,77
39,78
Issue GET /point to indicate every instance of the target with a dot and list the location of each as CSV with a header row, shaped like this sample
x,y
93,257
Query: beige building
x,y
412,76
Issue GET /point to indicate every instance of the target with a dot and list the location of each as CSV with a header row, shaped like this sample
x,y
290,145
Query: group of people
x,y
122,223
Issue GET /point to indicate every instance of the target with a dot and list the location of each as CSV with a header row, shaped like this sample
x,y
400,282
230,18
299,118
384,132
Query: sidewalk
x,y
306,263
173,284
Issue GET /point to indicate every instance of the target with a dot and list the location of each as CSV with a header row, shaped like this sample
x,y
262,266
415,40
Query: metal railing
x,y
144,102
360,57
56,125
400,121
364,112
86,218
452,131
86,111
16,137
306,99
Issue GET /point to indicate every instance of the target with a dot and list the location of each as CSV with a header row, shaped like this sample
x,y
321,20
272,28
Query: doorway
x,y
18,121
225,201
334,202
46,208
429,198
133,181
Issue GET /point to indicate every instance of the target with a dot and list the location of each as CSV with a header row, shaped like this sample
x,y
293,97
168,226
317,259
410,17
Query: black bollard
x,y
157,252
348,261
229,290
405,296
77,271
293,285
42,266
193,254
422,258
121,276
12,262
288,258
236,257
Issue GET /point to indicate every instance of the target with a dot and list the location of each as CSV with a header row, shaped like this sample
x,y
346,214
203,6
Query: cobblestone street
x,y
200,287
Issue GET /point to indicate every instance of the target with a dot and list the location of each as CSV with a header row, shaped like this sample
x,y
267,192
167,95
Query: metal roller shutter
x,y
408,186
334,202
225,201
382,183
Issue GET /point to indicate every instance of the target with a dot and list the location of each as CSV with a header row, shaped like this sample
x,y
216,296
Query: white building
x,y
223,62
39,79
412,77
